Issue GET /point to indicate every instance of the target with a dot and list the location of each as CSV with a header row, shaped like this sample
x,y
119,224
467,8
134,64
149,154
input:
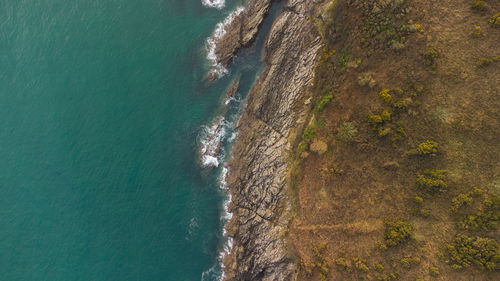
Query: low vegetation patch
x,y
495,20
486,219
432,181
425,148
397,232
346,132
465,251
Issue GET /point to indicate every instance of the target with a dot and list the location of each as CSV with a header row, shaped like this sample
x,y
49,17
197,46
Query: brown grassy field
x,y
443,77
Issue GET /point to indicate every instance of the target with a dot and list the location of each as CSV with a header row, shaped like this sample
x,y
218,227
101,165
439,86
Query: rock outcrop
x,y
242,31
258,167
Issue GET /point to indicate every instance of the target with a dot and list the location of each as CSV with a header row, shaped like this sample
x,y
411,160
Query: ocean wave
x,y
219,4
218,69
211,142
228,243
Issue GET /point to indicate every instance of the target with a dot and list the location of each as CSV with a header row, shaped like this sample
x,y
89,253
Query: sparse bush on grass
x,y
384,131
425,148
430,58
360,264
477,33
346,131
325,100
409,261
460,201
307,137
479,6
326,54
432,181
400,105
495,20
343,59
419,200
366,79
465,251
397,232
341,262
386,97
386,115
399,135
485,219
425,213
382,22
477,191
434,271
379,119
485,61
375,119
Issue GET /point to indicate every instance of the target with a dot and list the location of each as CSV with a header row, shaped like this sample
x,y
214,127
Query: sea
x,y
113,141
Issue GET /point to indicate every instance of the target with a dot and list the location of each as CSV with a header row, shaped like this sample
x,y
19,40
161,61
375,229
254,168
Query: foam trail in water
x,y
219,4
228,244
218,69
211,138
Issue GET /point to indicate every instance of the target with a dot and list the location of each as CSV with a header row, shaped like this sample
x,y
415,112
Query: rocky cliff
x,y
259,162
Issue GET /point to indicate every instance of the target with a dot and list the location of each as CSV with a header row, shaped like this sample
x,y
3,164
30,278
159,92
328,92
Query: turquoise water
x,y
101,104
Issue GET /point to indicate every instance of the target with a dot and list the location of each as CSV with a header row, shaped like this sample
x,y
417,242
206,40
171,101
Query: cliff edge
x,y
259,162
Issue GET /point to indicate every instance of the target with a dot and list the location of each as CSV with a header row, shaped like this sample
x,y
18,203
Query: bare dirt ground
x,y
344,196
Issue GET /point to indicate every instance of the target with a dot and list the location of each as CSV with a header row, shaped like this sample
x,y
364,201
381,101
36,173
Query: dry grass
x,y
458,108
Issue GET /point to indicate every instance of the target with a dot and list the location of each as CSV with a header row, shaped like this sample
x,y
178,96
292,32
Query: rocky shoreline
x,y
258,166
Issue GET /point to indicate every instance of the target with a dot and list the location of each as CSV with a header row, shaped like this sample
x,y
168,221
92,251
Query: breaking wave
x,y
217,68
218,4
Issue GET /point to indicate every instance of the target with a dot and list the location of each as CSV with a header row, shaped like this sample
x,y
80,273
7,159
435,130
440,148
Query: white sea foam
x,y
228,244
211,138
216,68
219,4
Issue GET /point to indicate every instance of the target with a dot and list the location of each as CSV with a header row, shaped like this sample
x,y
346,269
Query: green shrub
x,y
325,100
479,6
346,131
461,200
427,147
400,105
477,32
425,213
386,97
495,20
433,271
484,62
309,134
484,220
432,181
379,267
375,119
476,191
384,131
465,251
397,232
360,264
386,115
366,79
430,58
307,137
341,262
419,200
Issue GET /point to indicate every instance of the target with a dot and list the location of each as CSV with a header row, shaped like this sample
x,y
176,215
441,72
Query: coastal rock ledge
x,y
258,166
242,31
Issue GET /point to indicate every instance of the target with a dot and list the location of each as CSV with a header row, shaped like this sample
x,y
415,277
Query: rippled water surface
x,y
101,105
